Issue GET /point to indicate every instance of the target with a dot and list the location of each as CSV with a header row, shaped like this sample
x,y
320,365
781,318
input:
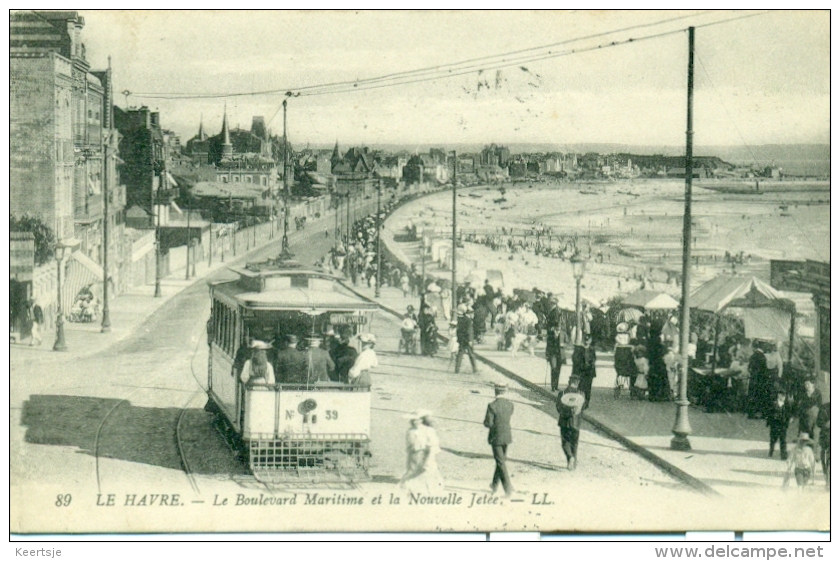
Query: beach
x,y
630,231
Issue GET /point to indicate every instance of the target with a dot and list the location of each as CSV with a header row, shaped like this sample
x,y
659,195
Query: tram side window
x,y
228,331
216,323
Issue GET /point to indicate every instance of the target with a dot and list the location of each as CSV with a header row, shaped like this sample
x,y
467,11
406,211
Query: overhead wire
x,y
448,70
726,110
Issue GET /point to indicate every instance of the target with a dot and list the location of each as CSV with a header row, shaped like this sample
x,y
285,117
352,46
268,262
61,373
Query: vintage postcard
x,y
419,271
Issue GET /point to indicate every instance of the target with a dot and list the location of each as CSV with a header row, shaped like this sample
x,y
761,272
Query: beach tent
x,y
650,300
737,291
766,313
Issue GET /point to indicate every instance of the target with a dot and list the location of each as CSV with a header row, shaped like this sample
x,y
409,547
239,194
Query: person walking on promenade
x,y
778,419
809,407
554,341
583,367
639,385
465,336
757,396
658,387
497,420
36,320
422,447
569,405
802,463
428,331
528,327
824,424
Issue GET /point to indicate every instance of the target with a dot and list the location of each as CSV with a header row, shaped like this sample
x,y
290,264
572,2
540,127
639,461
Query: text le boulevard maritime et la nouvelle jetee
x,y
464,500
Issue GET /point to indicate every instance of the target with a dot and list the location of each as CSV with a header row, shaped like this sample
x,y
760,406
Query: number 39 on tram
x,y
299,427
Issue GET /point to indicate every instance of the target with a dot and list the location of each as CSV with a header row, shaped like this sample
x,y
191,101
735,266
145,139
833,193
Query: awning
x,y
651,300
80,272
744,292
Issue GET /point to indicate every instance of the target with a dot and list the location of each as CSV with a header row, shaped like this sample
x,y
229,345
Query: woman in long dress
x,y
422,447
659,389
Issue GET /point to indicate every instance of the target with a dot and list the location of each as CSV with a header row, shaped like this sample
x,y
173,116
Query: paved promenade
x,y
729,451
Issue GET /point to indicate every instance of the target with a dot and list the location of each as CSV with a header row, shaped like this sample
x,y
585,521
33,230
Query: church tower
x,y
227,147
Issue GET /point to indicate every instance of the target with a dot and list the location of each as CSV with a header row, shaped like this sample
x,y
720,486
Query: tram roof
x,y
279,268
305,300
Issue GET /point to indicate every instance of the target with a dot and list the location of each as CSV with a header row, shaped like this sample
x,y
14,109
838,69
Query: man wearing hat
x,y
554,342
344,356
290,364
319,365
465,335
778,419
802,462
497,419
569,405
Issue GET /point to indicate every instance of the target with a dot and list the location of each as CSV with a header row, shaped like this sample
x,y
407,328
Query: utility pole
x,y
106,191
286,252
187,273
155,201
378,242
682,428
454,241
337,212
347,242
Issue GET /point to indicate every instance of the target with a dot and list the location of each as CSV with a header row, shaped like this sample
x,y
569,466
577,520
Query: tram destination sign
x,y
348,319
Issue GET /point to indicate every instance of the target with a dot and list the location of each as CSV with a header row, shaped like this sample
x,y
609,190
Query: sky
x,y
758,80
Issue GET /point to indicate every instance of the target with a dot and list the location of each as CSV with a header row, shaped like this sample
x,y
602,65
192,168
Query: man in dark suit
x,y
497,419
555,338
344,357
290,364
319,365
465,335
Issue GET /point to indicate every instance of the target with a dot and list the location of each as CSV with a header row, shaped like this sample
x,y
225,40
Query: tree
x,y
44,236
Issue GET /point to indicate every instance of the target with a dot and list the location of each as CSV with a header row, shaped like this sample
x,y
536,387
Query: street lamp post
x,y
454,229
106,312
578,270
210,253
187,268
337,207
682,427
286,252
60,343
157,242
378,242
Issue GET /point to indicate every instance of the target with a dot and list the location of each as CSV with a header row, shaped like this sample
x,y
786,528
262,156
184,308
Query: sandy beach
x,y
636,226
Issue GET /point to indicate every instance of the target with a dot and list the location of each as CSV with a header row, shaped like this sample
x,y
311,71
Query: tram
x,y
317,431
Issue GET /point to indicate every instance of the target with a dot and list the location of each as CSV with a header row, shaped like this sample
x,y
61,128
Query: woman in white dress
x,y
422,447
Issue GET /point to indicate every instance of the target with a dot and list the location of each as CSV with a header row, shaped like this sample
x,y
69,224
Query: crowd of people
x,y
646,352
331,358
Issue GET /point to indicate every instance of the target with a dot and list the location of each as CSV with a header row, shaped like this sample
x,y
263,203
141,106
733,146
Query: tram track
x,y
157,385
179,427
631,446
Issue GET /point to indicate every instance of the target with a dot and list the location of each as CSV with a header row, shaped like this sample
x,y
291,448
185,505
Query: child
x,y
642,366
453,340
802,462
778,419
